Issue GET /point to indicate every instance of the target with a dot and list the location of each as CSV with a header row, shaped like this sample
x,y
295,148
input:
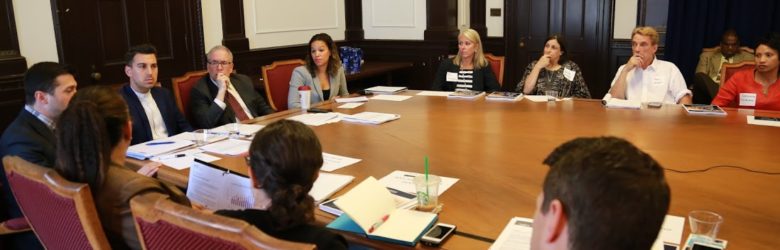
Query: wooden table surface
x,y
496,150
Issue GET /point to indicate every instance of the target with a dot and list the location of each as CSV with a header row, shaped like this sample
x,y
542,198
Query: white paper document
x,y
217,189
385,90
370,117
352,99
146,150
194,137
396,98
350,105
434,93
332,162
228,147
763,121
184,159
404,182
243,129
539,98
317,119
515,236
327,184
620,103
671,233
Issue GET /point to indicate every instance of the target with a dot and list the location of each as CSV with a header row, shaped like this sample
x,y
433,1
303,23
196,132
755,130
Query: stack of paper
x,y
243,129
620,103
327,184
670,234
146,150
404,181
704,109
317,119
763,121
466,94
369,209
515,236
371,117
352,99
228,147
192,136
434,93
385,90
215,188
184,159
504,96
541,98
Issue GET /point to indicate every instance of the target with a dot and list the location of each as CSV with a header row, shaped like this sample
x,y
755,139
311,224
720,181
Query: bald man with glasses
x,y
222,96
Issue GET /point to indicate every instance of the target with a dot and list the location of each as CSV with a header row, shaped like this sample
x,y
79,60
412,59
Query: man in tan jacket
x,y
707,80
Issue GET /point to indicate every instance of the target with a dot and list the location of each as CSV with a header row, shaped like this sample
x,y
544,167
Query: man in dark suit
x,y
223,97
152,109
48,88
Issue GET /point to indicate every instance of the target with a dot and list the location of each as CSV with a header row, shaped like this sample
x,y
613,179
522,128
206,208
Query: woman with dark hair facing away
x,y
322,73
93,134
759,88
553,73
284,161
468,69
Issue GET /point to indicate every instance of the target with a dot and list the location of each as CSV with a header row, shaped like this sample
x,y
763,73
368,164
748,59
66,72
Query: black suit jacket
x,y
207,114
30,139
484,79
174,120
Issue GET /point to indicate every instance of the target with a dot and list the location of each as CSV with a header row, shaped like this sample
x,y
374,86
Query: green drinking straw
x,y
426,176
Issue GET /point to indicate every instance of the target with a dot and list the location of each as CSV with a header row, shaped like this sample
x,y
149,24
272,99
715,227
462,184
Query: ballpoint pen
x,y
159,143
378,223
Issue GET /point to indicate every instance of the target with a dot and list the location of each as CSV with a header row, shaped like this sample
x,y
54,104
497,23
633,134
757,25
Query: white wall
x,y
495,24
35,30
212,23
271,23
394,19
625,18
464,14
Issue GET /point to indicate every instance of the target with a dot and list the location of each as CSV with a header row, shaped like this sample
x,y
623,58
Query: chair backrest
x,y
497,63
181,90
61,213
728,69
164,224
277,81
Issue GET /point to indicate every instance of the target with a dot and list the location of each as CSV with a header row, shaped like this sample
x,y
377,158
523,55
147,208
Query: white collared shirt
x,y
235,94
46,120
659,82
153,114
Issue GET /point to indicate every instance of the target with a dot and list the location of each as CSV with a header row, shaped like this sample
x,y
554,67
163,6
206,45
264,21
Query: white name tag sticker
x,y
452,77
747,99
569,74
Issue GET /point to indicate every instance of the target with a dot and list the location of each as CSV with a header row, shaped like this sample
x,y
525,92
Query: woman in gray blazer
x,y
322,73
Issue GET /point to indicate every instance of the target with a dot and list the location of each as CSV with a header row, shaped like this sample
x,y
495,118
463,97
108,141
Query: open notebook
x,y
370,209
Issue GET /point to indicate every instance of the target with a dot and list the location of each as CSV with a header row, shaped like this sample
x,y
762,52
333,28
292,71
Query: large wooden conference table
x,y
496,150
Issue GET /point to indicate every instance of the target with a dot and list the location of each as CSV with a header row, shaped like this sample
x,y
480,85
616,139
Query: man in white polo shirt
x,y
645,78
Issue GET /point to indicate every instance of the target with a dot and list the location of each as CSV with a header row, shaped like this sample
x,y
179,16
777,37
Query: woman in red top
x,y
757,89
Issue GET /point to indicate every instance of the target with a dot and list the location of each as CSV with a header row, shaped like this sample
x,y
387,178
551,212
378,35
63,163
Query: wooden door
x,y
93,36
584,24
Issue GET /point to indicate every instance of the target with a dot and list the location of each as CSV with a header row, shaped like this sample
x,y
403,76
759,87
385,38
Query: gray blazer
x,y
301,76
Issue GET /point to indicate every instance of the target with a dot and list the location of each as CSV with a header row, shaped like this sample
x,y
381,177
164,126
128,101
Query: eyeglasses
x,y
223,63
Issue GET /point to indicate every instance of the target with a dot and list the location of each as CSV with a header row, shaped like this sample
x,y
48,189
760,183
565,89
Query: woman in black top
x,y
469,69
284,160
554,73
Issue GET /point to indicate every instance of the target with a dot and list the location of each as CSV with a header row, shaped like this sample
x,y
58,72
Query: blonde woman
x,y
469,69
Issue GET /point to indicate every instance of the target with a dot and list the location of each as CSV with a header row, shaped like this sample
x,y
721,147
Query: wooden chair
x,y
164,224
61,213
181,90
277,81
497,63
717,48
728,69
